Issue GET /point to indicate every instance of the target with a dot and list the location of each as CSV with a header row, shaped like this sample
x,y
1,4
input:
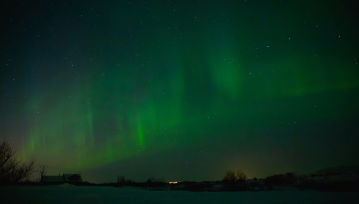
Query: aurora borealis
x,y
180,89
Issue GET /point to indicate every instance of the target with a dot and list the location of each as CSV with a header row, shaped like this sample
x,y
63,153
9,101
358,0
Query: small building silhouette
x,y
72,178
65,178
52,179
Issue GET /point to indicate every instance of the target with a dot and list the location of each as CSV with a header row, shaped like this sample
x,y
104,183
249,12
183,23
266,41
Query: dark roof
x,y
52,179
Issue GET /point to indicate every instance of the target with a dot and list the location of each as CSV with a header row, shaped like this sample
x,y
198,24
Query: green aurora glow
x,y
265,86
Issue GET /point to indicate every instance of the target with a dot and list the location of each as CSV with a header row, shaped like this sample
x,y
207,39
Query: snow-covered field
x,y
73,194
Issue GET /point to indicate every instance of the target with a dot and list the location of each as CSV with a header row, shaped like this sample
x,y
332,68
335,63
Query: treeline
x,y
238,181
13,171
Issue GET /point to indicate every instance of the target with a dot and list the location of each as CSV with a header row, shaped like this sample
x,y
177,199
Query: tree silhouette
x,y
230,177
42,171
242,177
233,177
11,170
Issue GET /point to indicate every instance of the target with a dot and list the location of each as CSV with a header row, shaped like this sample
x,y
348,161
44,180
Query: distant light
x,y
173,182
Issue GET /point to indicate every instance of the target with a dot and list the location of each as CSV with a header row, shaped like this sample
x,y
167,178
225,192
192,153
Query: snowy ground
x,y
73,194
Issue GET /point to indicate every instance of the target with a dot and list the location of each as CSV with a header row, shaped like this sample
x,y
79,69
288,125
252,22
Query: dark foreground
x,y
96,194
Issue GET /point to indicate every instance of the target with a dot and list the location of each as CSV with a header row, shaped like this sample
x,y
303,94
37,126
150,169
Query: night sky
x,y
180,89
